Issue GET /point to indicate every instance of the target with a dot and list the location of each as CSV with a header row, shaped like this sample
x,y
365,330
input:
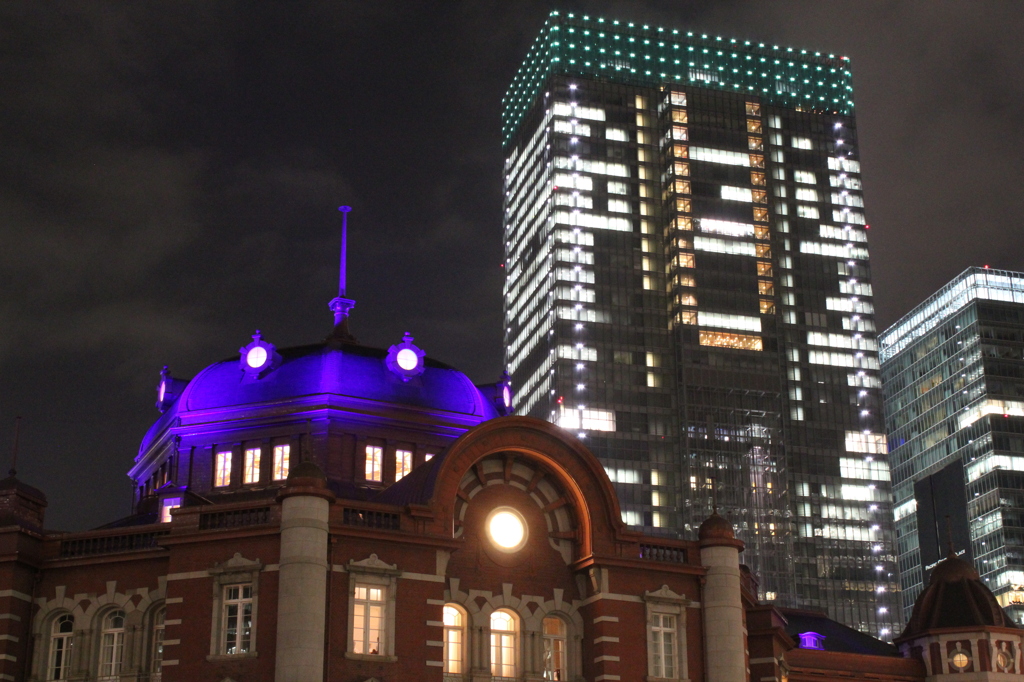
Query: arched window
x,y
157,654
554,649
60,647
454,642
503,645
111,645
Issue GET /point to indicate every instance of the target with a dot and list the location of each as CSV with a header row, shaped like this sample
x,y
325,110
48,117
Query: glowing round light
x,y
506,529
256,357
163,391
506,396
407,359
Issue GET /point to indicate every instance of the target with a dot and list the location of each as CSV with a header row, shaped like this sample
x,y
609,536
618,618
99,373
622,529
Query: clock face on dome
x,y
405,359
256,357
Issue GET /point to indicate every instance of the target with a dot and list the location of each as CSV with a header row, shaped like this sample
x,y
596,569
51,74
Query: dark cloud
x,y
171,172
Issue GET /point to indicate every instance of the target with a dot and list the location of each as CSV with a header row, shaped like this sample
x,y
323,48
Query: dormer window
x,y
251,473
374,463
222,469
166,506
282,457
403,464
812,640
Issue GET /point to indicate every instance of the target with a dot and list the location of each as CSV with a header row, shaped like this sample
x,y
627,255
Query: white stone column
x,y
302,584
725,641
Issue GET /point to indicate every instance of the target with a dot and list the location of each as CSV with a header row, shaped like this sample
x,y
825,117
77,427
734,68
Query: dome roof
x,y
345,370
955,597
953,569
307,470
716,527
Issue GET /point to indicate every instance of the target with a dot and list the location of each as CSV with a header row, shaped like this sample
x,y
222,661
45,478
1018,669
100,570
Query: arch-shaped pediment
x,y
542,459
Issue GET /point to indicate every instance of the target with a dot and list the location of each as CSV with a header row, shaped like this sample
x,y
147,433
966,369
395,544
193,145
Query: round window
x,y
960,660
1003,660
506,529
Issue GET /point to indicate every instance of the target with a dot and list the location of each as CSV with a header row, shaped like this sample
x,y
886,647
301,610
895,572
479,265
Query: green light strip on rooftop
x,y
625,53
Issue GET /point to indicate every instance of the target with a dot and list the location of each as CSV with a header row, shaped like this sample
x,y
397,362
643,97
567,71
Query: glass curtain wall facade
x,y
688,290
953,372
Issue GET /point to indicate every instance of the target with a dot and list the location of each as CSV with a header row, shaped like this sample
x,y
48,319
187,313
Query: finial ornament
x,y
341,306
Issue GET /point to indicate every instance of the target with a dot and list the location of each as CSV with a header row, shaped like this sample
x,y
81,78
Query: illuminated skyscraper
x,y
954,401
688,289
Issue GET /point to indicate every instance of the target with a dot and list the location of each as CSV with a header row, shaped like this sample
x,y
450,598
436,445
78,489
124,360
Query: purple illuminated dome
x,y
336,386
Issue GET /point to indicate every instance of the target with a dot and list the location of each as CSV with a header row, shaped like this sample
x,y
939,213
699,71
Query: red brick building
x,y
341,513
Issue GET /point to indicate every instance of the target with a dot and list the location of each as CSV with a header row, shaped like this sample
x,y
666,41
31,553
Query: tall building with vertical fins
x,y
688,290
953,370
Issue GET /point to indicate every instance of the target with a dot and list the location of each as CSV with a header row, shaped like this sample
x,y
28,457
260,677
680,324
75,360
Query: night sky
x,y
170,174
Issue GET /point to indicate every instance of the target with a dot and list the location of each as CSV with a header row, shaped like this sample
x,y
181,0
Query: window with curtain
x,y
503,645
111,645
554,649
61,634
454,642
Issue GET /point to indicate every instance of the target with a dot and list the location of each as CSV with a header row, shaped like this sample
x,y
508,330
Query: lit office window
x,y
723,340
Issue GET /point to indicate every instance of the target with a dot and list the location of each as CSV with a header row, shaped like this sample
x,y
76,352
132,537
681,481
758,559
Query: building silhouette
x,y
688,290
953,378
340,512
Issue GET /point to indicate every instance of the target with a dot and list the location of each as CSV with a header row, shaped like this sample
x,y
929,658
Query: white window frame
x,y
166,506
515,635
365,639
659,604
372,572
550,644
251,465
111,650
66,642
235,571
156,643
237,596
458,632
282,461
663,631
